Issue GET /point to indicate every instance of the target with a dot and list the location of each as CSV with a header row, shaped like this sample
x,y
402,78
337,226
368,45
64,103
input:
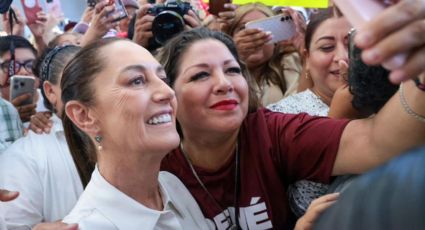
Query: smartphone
x,y
358,12
119,9
217,6
31,8
91,3
54,8
20,85
281,26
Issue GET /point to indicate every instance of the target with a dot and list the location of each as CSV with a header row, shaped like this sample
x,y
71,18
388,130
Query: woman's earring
x,y
98,139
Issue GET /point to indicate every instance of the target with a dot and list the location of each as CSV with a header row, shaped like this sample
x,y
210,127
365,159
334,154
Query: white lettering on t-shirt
x,y
254,216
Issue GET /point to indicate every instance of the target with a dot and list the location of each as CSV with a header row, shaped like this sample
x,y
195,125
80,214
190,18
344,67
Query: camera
x,y
168,20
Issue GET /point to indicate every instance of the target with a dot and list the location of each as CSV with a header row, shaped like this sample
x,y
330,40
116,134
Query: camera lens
x,y
167,24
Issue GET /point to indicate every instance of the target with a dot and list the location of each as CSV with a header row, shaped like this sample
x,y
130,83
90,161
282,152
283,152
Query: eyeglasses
x,y
18,65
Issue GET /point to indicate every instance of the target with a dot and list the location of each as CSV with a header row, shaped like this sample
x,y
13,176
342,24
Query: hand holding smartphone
x,y
359,12
281,26
31,8
20,85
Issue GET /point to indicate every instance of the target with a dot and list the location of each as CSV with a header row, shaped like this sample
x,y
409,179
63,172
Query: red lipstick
x,y
225,105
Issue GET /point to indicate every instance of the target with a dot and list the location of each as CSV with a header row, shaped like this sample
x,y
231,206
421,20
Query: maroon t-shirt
x,y
275,150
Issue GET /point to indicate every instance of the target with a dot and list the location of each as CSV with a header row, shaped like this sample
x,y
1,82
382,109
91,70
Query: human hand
x,y
39,27
18,27
40,122
25,111
300,27
6,195
191,20
398,29
315,209
143,26
225,18
103,20
248,41
58,225
87,15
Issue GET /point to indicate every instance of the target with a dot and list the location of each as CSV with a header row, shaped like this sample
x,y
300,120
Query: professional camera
x,y
168,20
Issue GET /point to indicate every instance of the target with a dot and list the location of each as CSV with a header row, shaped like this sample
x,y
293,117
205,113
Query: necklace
x,y
236,189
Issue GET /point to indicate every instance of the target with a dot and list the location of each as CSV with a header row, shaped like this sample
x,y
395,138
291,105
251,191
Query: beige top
x,y
271,93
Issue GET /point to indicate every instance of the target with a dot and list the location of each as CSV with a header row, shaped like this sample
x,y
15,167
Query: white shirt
x,y
303,102
102,206
41,168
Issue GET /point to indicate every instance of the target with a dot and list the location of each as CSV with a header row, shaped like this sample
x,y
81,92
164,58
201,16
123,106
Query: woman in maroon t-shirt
x,y
237,160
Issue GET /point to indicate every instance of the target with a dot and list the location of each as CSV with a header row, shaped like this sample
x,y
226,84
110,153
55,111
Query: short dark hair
x,y
18,41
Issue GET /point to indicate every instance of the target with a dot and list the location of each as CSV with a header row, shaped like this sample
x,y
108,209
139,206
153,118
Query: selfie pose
x,y
237,160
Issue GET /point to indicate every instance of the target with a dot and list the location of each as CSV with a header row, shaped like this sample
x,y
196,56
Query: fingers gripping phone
x,y
281,26
217,6
20,85
358,12
31,8
119,8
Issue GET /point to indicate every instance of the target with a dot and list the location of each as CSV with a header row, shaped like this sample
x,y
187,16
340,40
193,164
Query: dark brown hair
x,y
77,84
49,67
170,56
316,19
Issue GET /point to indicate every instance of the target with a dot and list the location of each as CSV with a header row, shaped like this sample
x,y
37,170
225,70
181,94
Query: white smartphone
x,y
54,7
281,26
20,85
358,12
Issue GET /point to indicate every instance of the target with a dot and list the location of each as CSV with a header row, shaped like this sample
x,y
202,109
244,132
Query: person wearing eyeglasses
x,y
25,54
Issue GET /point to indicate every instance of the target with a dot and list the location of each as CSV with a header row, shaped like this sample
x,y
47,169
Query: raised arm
x,y
369,142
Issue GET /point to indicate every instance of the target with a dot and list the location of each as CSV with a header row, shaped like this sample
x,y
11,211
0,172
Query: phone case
x,y
31,8
358,12
54,8
91,3
217,6
20,85
120,9
281,26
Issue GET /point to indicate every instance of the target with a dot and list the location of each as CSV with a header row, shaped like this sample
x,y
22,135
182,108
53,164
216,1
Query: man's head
x,y
25,54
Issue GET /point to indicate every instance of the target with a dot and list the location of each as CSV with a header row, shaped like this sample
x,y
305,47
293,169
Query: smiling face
x,y
212,93
134,107
329,45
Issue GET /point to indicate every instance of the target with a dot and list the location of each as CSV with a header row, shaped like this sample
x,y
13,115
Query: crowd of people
x,y
213,126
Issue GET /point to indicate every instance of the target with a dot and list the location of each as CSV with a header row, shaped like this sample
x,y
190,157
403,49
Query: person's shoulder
x,y
7,107
30,145
89,218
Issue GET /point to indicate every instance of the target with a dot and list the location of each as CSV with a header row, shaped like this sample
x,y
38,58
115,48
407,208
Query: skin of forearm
x,y
368,143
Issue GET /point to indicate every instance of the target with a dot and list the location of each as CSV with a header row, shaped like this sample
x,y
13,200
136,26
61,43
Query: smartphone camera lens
x,y
22,84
